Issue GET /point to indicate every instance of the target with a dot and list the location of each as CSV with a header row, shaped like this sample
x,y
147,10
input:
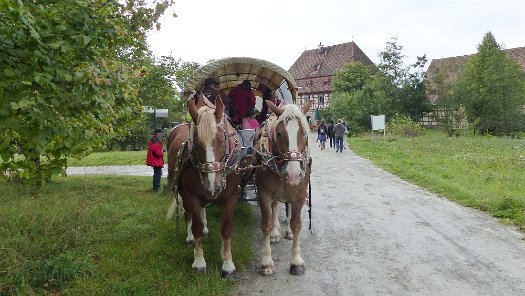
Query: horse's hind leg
x,y
288,232
275,236
204,221
297,264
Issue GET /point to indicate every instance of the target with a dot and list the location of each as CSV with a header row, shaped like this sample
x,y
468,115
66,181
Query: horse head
x,y
209,143
289,136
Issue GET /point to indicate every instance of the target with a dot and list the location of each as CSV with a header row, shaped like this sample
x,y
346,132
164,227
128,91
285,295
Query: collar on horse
x,y
271,157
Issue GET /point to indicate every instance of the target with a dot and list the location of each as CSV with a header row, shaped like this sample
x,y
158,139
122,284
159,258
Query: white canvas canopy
x,y
229,72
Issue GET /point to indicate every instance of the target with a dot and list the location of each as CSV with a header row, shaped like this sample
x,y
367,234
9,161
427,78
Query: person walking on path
x,y
155,158
339,131
321,135
331,134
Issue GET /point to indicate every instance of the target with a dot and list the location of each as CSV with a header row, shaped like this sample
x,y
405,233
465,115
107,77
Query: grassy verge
x,y
111,158
487,173
106,235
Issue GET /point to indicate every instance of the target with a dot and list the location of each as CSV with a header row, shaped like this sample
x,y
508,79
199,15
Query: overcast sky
x,y
280,30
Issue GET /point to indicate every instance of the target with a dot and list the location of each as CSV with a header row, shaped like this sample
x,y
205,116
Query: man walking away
x,y
339,131
331,134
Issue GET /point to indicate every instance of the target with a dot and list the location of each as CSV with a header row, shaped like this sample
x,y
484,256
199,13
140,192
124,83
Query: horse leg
x,y
288,232
204,221
228,268
267,264
194,210
275,235
297,265
190,241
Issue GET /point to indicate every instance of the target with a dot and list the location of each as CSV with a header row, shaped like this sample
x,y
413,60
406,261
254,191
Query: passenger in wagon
x,y
268,94
211,91
242,100
249,122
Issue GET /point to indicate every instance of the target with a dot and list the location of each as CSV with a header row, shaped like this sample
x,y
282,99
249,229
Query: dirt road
x,y
375,234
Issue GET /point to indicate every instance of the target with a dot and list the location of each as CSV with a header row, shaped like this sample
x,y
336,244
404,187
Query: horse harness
x,y
268,155
227,165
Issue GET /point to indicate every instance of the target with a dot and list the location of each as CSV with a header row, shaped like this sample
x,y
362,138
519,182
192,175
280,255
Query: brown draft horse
x,y
202,160
282,151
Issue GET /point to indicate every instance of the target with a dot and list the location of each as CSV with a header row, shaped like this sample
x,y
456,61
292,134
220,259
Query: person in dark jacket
x,y
339,131
331,134
155,158
242,100
322,134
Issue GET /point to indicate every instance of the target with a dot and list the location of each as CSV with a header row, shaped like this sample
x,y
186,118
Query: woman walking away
x,y
331,134
155,158
321,135
339,131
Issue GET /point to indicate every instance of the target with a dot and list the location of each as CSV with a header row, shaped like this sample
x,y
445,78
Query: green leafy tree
x,y
69,72
492,88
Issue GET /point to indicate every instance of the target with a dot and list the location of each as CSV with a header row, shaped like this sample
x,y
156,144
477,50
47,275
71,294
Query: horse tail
x,y
174,207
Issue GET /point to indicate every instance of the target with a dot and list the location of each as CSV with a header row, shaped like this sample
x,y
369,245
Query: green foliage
x,y
107,235
404,126
492,88
481,172
70,72
359,92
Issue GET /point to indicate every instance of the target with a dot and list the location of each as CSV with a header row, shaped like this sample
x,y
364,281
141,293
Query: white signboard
x,y
158,112
378,122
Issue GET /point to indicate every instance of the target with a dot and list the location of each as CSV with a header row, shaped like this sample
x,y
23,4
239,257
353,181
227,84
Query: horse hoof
x,y
274,239
199,269
190,243
297,269
267,270
289,235
228,275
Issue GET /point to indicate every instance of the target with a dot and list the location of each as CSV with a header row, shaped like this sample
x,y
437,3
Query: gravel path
x,y
375,234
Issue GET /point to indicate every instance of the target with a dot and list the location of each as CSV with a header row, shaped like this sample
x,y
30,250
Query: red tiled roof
x,y
319,66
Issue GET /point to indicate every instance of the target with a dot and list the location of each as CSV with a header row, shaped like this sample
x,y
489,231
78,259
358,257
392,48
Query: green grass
x,y
106,235
111,158
487,173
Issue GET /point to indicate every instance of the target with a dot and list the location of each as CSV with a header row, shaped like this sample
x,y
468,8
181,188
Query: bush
x,y
403,126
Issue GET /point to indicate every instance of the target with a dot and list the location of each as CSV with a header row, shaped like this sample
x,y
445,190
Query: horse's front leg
x,y
267,264
194,210
275,236
297,264
227,210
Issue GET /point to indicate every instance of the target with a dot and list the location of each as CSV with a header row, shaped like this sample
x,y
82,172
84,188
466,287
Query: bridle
x,y
276,160
227,164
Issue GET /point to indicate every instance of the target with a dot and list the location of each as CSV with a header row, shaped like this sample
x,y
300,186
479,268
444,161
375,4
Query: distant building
x,y
315,70
452,67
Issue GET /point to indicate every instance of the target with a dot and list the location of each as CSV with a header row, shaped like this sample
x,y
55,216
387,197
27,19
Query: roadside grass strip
x,y
106,235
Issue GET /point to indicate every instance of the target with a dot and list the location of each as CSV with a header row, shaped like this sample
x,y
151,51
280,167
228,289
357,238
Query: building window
x,y
320,100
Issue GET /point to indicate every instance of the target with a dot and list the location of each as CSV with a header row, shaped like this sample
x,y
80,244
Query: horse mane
x,y
207,126
293,111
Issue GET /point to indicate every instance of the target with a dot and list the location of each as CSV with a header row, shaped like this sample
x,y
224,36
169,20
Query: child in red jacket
x,y
155,158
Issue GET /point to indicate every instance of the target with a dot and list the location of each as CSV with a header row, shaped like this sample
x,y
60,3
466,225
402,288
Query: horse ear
x,y
274,108
306,106
201,102
193,111
219,108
